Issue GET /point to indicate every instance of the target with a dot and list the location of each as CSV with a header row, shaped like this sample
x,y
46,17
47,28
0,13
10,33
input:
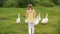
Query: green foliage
x,y
57,2
1,3
10,3
47,4
54,1
36,2
24,3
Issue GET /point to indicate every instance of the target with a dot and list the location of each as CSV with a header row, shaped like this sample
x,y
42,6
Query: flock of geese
x,y
36,22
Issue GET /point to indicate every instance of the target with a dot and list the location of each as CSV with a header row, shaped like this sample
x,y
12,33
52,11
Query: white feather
x,y
45,20
36,22
18,19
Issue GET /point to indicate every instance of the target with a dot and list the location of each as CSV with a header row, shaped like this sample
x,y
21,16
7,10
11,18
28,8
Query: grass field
x,y
8,17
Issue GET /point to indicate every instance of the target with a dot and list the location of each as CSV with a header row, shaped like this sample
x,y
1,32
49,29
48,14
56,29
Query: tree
x,y
23,3
10,3
1,3
57,2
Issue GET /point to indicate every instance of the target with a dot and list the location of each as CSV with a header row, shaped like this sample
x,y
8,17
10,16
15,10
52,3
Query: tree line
x,y
24,3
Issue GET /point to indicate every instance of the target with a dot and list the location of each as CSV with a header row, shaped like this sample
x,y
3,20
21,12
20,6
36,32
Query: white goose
x,y
37,19
18,19
45,20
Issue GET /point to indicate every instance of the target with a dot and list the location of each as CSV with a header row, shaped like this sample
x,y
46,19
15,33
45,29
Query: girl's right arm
x,y
26,14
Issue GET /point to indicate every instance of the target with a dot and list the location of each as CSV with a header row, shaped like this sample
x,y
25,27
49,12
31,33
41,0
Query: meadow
x,y
8,23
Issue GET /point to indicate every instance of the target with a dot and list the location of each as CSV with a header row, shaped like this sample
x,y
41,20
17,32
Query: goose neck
x,y
46,16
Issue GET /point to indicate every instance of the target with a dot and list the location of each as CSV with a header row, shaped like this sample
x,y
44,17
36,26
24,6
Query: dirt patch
x,y
3,18
45,32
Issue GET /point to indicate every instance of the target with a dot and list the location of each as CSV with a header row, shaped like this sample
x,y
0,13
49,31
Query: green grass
x,y
9,26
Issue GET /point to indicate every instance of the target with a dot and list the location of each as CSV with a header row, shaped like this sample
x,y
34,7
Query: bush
x,y
1,3
10,3
47,4
24,3
58,2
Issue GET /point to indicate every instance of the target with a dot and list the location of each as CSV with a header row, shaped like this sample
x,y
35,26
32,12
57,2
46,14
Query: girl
x,y
30,15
